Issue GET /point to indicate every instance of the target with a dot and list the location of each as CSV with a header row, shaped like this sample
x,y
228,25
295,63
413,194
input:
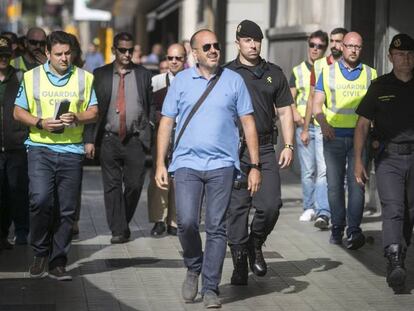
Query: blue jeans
x,y
53,192
339,158
191,187
313,171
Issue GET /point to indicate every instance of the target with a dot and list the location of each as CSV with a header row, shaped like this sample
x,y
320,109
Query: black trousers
x,y
14,197
123,174
395,183
267,201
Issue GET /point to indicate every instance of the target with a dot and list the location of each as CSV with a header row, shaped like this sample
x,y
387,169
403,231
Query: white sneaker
x,y
307,215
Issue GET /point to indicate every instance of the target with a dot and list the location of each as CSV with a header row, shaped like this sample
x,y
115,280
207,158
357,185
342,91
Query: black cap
x,y
5,46
402,42
249,29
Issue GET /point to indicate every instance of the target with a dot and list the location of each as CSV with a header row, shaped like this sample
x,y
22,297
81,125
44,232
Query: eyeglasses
x,y
177,58
37,42
317,46
352,46
124,50
206,47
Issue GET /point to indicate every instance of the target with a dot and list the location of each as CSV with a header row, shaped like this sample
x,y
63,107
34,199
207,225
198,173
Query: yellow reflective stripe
x,y
36,91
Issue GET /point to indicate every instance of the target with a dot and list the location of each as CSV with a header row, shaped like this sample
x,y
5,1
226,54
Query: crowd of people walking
x,y
211,130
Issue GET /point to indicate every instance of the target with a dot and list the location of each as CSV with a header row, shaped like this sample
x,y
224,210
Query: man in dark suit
x,y
123,132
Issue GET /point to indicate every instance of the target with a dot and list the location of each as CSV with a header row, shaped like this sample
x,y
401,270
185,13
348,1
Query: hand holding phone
x,y
63,109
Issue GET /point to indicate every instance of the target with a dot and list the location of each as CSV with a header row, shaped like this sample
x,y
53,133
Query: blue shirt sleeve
x,y
170,105
319,84
244,102
21,98
93,101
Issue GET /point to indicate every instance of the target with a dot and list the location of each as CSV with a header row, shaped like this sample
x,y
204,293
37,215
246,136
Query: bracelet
x,y
289,146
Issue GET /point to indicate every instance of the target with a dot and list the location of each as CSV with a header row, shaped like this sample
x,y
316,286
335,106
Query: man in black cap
x,y
389,105
14,204
269,89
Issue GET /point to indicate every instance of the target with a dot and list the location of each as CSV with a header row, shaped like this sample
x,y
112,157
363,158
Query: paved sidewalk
x,y
305,271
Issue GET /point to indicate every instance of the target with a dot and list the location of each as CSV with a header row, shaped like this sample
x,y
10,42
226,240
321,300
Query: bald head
x,y
176,57
351,48
35,32
197,34
176,48
353,36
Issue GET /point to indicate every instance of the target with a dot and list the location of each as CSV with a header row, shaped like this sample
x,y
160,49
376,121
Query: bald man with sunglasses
x,y
161,205
205,160
35,50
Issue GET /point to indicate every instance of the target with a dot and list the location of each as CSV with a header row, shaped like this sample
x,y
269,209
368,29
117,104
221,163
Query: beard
x,y
336,53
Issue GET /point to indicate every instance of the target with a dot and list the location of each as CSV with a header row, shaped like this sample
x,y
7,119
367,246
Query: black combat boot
x,y
395,268
240,271
256,259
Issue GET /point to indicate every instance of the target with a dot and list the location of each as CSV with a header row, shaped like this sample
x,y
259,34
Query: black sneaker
x,y
337,233
158,229
322,222
172,230
59,273
38,268
355,241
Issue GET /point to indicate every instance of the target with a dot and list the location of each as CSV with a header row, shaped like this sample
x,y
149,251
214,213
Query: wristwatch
x,y
289,146
39,124
257,166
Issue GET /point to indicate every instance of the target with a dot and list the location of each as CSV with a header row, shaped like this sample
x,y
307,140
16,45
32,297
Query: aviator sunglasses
x,y
317,46
177,58
206,47
124,50
36,42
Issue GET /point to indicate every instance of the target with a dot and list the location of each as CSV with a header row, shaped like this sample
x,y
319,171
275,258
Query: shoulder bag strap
x,y
197,105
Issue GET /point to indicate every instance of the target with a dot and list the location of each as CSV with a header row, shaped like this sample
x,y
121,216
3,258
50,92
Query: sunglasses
x,y
317,46
124,50
177,58
207,47
37,42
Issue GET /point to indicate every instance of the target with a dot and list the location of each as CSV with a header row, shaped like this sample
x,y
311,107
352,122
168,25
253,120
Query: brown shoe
x,y
59,273
38,268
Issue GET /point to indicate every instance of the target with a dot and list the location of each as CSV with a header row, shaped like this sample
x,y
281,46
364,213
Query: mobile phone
x,y
63,108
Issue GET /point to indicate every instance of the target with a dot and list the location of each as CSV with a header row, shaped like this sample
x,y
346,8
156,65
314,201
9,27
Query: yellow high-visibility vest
x,y
302,84
44,99
343,96
19,63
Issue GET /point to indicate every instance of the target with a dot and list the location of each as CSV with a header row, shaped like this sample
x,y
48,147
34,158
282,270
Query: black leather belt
x,y
265,139
400,148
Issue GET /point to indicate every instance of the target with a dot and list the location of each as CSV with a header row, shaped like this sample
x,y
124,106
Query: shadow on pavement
x,y
281,277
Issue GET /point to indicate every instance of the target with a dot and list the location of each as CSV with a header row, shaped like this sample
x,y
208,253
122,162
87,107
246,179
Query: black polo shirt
x,y
268,88
389,103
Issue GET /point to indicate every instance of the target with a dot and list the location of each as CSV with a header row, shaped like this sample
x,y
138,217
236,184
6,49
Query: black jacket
x,y
12,133
103,87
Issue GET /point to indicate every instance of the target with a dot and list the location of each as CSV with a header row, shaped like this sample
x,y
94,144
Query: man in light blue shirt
x,y
55,151
205,159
